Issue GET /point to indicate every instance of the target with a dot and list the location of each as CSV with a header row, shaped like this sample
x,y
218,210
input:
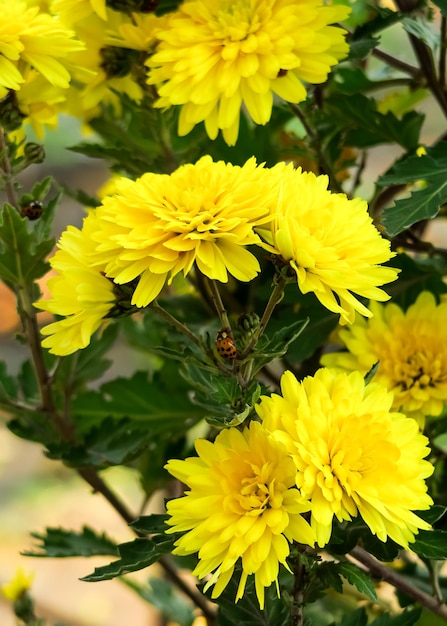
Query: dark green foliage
x,y
134,555
58,542
430,172
22,253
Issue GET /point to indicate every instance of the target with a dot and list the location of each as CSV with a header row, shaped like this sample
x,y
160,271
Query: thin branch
x,y
425,58
442,54
297,615
219,305
412,71
322,161
382,572
359,172
6,168
275,297
199,600
174,322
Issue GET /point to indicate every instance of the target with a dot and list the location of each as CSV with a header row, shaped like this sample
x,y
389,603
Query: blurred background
x,y
35,492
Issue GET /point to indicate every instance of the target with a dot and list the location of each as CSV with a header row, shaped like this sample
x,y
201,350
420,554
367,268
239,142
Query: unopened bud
x,y
34,152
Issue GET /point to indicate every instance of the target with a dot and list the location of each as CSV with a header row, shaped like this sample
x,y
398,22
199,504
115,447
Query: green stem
x,y
299,572
174,322
442,54
219,305
378,570
412,71
425,57
433,568
6,168
275,298
316,145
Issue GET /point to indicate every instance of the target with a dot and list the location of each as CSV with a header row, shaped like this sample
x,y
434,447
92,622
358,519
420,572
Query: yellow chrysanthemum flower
x,y
202,214
79,292
411,348
352,454
17,586
29,38
140,34
329,241
215,56
103,70
72,11
242,506
38,103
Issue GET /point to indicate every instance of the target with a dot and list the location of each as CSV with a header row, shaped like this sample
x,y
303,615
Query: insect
x,y
225,345
33,210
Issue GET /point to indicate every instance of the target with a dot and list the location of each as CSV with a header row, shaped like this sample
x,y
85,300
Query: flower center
x,y
192,213
419,370
251,490
333,467
237,20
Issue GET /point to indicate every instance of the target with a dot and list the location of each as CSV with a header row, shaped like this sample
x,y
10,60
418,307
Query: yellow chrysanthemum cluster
x,y
70,56
204,216
35,70
328,446
410,348
216,56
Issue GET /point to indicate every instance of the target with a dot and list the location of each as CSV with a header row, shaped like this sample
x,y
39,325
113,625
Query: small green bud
x,y
24,607
10,115
118,62
248,322
34,152
133,6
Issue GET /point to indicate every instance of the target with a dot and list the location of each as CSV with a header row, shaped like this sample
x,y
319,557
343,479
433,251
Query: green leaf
x,y
361,581
8,384
247,612
435,513
28,382
421,30
156,403
357,618
134,555
424,203
110,443
84,366
360,48
416,275
163,596
58,542
369,376
21,254
223,401
42,188
328,574
407,618
346,535
150,524
352,80
364,126
441,442
431,544
276,346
